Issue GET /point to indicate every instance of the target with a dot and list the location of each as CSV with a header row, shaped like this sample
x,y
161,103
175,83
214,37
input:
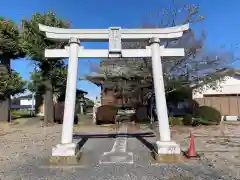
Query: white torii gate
x,y
115,36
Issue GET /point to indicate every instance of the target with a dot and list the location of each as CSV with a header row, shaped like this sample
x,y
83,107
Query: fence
x,y
4,110
227,105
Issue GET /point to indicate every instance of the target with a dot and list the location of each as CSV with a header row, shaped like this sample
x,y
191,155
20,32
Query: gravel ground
x,y
220,145
24,150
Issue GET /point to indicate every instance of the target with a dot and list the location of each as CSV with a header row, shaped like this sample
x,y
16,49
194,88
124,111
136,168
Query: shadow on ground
x,y
145,142
140,136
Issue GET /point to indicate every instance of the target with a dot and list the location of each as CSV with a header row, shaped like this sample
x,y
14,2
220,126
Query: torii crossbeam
x,y
104,53
115,36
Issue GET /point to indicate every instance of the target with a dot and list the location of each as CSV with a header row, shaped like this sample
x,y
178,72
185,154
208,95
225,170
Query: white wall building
x,y
225,98
26,102
231,85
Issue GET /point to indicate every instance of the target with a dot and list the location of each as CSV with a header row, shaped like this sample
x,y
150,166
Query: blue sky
x,y
221,22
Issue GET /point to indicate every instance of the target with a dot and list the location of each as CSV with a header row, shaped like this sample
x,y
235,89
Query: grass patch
x,y
16,114
175,121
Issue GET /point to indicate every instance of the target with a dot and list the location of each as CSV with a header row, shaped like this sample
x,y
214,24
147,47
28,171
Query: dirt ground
x,y
219,144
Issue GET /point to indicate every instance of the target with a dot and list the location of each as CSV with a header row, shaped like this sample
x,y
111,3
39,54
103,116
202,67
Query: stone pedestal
x,y
65,155
168,147
95,107
64,150
167,152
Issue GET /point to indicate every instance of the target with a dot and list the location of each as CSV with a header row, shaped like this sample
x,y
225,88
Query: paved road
x,y
97,165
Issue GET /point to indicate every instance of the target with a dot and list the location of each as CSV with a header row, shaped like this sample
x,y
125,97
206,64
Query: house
x,y
23,102
225,98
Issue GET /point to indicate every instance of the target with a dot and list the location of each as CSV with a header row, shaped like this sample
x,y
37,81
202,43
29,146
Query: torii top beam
x,y
102,35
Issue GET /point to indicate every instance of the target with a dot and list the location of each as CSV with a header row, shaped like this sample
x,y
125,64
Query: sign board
x,y
115,44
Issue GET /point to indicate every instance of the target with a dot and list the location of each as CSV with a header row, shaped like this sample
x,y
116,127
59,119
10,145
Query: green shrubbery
x,y
188,120
15,114
208,113
175,121
204,115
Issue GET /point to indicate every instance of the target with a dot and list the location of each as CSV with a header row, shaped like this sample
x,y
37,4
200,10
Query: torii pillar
x,y
164,146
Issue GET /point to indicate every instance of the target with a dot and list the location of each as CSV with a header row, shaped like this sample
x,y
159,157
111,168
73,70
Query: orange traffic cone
x,y
191,153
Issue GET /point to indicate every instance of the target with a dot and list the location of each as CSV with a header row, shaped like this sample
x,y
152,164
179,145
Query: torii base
x,y
65,160
167,152
70,149
65,154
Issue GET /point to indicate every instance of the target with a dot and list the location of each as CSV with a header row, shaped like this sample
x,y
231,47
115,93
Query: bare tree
x,y
197,67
